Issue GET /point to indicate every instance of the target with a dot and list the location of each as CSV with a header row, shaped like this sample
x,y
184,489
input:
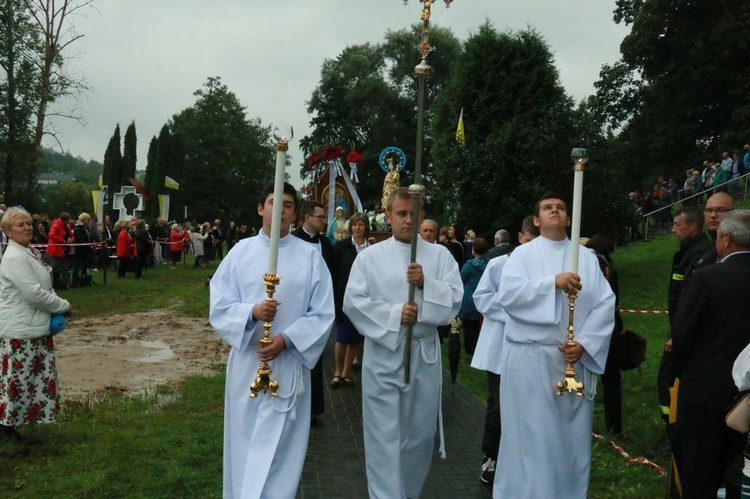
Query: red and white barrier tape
x,y
639,460
631,311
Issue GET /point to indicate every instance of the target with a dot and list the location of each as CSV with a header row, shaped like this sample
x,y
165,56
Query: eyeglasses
x,y
716,211
319,217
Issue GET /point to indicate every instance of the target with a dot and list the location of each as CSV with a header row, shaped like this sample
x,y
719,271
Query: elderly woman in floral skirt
x,y
28,375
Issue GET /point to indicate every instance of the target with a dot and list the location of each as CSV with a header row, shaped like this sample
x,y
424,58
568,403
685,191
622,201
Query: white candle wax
x,y
575,228
278,203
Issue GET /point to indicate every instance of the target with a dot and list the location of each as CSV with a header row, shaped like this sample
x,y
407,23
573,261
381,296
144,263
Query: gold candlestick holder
x,y
263,381
570,383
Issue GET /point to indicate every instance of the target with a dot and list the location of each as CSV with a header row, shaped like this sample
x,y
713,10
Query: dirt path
x,y
134,352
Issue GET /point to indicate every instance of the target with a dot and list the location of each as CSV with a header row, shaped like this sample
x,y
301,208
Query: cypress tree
x,y
130,154
112,170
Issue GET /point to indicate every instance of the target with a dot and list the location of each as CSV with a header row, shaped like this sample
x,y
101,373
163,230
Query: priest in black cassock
x,y
313,224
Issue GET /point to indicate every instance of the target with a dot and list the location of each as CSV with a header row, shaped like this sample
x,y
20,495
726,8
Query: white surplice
x,y
400,419
545,451
489,349
265,438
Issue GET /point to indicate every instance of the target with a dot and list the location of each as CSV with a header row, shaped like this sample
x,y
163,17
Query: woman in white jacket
x,y
198,235
28,376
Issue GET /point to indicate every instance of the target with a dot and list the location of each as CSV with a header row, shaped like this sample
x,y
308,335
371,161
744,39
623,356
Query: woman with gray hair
x,y
28,375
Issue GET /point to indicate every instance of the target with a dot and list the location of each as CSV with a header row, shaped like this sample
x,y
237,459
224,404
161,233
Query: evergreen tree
x,y
519,131
162,160
218,155
130,154
112,168
149,181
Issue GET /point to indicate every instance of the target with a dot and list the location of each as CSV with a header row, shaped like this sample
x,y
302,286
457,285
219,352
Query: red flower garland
x,y
355,157
333,152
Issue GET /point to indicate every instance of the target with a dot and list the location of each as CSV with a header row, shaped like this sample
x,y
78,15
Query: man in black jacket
x,y
710,331
313,224
688,229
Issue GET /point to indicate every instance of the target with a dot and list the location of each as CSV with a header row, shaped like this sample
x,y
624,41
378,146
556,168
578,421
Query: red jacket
x,y
57,235
177,240
124,244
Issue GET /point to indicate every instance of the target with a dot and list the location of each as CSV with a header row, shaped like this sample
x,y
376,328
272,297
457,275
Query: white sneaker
x,y
488,471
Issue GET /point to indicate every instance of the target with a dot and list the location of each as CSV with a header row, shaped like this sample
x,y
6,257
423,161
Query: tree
x,y
679,90
149,180
17,37
218,155
366,100
56,34
130,153
112,167
519,131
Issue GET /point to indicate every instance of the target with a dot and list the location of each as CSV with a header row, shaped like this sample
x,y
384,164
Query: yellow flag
x,y
460,135
171,183
101,181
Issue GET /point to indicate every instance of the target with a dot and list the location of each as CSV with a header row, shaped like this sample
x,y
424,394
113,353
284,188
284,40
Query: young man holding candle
x,y
400,418
265,438
545,450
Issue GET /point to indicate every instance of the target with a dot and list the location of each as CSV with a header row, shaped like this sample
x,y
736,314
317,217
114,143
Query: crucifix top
x,y
424,46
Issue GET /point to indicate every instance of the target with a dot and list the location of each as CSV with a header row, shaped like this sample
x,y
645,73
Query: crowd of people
x,y
512,302
73,246
718,175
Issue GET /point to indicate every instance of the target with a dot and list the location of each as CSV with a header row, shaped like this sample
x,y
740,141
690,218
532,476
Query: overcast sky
x,y
143,59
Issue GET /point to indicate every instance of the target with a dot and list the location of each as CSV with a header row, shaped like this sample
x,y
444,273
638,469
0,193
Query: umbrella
x,y
454,348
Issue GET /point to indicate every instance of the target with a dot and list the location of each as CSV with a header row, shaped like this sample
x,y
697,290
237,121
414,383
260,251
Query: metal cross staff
x,y
417,190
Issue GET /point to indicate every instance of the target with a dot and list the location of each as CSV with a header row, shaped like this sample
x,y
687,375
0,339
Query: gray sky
x,y
143,59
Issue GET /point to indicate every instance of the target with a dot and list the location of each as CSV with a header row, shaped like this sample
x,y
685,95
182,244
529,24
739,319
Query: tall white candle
x,y
278,203
575,228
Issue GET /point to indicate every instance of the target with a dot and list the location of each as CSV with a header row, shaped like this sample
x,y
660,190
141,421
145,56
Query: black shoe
x,y
488,470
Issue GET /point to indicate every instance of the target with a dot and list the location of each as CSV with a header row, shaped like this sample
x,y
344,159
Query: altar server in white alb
x,y
265,438
545,450
400,419
488,353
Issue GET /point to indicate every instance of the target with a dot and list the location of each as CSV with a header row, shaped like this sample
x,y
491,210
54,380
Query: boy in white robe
x,y
265,438
399,418
489,349
545,450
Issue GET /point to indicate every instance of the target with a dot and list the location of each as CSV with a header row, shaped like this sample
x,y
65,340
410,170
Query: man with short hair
x,y
710,331
717,206
545,450
313,224
688,230
429,230
399,418
502,244
489,349
726,162
265,438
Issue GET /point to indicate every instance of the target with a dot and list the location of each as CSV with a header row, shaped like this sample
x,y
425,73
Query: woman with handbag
x,y
28,373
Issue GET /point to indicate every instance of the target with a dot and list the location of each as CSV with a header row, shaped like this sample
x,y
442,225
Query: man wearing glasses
x,y
716,209
313,225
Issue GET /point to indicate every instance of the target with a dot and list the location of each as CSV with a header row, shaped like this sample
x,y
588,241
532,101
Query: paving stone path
x,y
335,463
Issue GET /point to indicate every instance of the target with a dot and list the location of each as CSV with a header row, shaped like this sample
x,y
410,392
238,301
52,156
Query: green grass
x,y
169,443
182,290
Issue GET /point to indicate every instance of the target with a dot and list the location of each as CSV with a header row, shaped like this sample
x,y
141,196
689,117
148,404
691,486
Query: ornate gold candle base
x,y
263,381
570,384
